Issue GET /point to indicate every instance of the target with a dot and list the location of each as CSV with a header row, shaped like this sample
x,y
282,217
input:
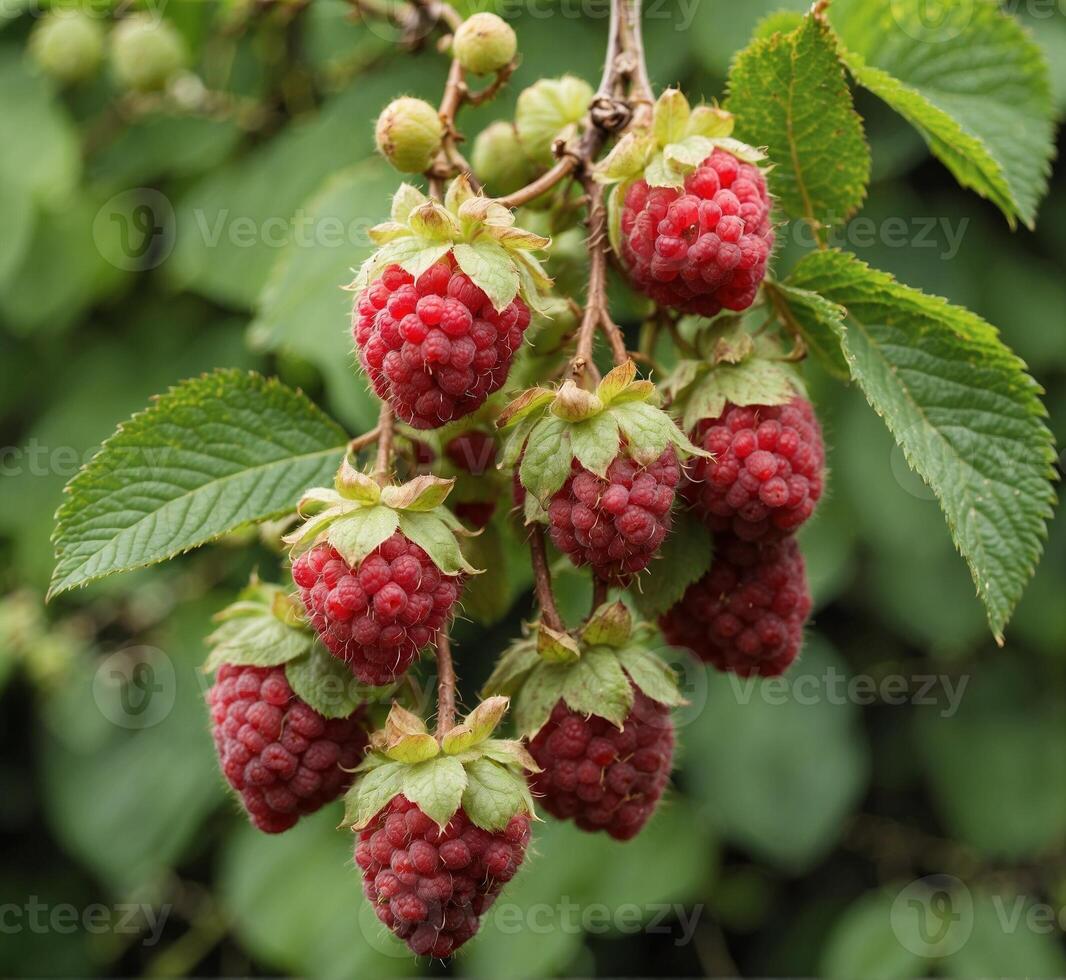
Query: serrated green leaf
x,y
649,430
359,532
494,794
210,455
651,675
436,539
260,640
788,92
538,696
325,682
491,268
597,685
548,455
970,80
436,786
595,442
959,403
372,791
683,559
818,322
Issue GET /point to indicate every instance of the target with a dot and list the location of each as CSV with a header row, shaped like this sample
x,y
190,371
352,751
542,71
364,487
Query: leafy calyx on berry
x,y
265,627
356,515
554,426
678,140
735,368
478,231
593,671
465,768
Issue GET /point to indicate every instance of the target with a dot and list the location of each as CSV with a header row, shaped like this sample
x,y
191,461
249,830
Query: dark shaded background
x,y
796,820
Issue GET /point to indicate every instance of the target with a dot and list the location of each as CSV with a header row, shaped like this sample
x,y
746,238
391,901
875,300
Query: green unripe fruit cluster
x,y
484,43
409,134
68,45
146,52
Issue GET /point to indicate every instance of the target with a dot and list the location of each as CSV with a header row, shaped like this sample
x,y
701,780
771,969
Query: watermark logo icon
x,y
135,688
933,21
933,916
134,230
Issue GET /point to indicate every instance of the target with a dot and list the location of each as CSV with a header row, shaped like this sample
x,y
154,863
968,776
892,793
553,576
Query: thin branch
x,y
366,439
386,431
542,580
545,182
445,685
599,592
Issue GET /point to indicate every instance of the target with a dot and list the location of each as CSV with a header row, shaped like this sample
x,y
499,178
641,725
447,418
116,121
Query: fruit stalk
x,y
445,685
386,429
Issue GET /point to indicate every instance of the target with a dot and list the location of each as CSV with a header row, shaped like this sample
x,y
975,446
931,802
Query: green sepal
x,y
356,516
556,648
552,428
467,768
478,231
611,659
327,685
263,628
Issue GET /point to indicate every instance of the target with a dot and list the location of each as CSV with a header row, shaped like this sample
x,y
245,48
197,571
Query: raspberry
x,y
429,885
378,616
615,524
598,776
704,248
747,613
767,473
435,348
276,751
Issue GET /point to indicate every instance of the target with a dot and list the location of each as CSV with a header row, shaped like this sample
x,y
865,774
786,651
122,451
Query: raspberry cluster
x,y
598,776
747,613
276,751
434,347
767,472
431,885
375,617
615,524
704,248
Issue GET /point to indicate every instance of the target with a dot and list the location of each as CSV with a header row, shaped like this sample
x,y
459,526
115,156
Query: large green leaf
x,y
213,453
788,92
303,307
959,403
970,80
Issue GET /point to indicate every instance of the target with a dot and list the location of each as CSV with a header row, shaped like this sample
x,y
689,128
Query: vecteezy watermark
x,y
103,9
135,230
933,917
564,915
918,232
63,918
135,688
834,686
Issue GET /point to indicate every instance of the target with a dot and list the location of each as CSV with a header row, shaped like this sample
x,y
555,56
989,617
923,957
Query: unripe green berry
x,y
484,43
68,45
146,52
408,134
547,110
499,160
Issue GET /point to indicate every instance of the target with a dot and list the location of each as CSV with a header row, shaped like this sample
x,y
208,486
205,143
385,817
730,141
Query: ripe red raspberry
x,y
276,751
615,524
598,776
747,613
434,347
429,885
767,473
704,248
378,616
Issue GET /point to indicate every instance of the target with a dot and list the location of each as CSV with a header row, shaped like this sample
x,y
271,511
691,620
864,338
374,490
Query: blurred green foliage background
x,y
795,819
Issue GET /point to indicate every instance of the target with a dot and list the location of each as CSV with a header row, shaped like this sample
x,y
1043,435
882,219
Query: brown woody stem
x,y
445,685
542,579
386,430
